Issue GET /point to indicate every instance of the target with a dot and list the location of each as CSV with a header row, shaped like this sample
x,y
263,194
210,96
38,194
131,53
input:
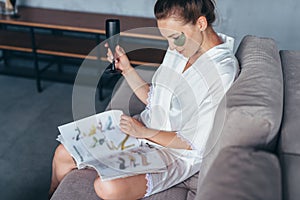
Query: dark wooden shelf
x,y
16,41
73,47
28,35
80,21
65,46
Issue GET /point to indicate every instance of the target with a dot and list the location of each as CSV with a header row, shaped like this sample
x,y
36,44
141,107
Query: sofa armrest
x,y
242,173
77,185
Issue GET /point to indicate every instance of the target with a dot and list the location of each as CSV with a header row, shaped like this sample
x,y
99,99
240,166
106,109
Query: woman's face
x,y
184,38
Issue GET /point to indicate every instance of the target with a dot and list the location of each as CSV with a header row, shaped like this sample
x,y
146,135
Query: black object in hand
x,y
112,35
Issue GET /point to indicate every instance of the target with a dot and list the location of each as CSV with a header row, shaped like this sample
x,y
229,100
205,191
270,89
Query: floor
x,y
28,126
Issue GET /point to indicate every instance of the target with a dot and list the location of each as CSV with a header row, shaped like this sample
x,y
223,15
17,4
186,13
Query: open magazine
x,y
98,142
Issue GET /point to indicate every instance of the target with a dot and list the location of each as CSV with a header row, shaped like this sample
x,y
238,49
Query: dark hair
x,y
186,10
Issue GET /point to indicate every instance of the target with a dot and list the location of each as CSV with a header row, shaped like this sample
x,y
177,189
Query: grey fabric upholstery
x,y
257,94
290,135
77,185
290,176
253,105
124,98
240,162
289,147
241,173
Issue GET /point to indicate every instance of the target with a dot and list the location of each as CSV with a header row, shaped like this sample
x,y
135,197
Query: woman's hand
x,y
132,127
121,60
136,129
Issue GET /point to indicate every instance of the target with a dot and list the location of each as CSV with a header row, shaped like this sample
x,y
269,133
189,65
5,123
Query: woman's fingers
x,y
109,53
125,128
109,59
125,117
125,123
119,51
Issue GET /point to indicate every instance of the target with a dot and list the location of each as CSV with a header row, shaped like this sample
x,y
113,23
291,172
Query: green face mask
x,y
180,40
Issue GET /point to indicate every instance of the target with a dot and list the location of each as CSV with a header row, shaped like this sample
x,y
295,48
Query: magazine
x,y
98,142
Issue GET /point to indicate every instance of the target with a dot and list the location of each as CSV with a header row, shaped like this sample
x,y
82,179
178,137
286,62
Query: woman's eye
x,y
175,38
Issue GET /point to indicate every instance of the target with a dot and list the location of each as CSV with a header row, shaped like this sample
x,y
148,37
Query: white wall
x,y
120,7
270,18
267,18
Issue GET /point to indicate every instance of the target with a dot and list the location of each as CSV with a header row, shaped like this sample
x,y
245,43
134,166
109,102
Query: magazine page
x,y
140,160
96,136
77,150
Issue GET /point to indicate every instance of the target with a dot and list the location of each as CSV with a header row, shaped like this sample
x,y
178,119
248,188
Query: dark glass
x,y
13,2
112,35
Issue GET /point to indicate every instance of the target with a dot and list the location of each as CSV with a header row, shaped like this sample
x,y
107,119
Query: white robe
x,y
186,102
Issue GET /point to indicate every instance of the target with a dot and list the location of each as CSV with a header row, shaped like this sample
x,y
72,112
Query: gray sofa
x,y
255,153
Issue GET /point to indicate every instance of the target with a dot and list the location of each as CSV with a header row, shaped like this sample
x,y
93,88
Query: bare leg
x,y
133,187
62,164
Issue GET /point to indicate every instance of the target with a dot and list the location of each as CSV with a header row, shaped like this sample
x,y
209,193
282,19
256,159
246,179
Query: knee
x,y
61,154
108,189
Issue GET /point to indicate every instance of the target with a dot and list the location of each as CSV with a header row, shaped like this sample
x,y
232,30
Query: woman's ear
x,y
202,23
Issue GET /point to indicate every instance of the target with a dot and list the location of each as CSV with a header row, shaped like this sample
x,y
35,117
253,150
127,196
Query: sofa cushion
x,y
250,113
79,185
242,173
257,94
290,135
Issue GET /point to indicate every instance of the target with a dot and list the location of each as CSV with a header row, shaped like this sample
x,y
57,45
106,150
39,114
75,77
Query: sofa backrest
x,y
290,134
254,103
123,98
289,148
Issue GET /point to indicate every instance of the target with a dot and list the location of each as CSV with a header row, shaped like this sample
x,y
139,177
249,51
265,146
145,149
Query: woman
x,y
197,70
